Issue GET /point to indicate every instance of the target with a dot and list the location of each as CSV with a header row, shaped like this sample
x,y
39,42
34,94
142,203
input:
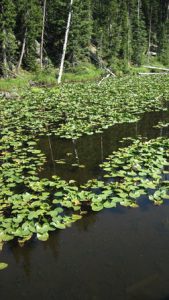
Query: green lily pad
x,y
3,266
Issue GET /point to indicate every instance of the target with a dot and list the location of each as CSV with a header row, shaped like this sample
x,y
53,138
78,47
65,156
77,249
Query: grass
x,y
48,77
15,84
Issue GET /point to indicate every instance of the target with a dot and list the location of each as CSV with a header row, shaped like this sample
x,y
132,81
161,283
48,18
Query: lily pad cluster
x,y
76,109
31,206
139,169
162,125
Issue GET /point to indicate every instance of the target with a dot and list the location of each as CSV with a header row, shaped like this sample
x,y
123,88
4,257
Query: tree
x,y
56,22
7,37
65,42
139,35
80,32
163,33
42,34
29,19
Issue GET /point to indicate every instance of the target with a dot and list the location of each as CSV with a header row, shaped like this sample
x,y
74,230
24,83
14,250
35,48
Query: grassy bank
x,y
48,77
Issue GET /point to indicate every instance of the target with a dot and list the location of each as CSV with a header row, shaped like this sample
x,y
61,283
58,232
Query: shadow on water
x,y
91,151
106,255
118,254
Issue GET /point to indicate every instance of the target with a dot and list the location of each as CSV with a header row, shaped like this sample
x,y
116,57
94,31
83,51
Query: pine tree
x,y
125,33
163,33
122,32
7,38
56,20
106,22
29,18
139,35
80,32
164,43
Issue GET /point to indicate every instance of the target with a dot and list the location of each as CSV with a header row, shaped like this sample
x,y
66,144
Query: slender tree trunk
x,y
149,37
65,43
22,52
4,55
138,11
4,51
42,35
128,39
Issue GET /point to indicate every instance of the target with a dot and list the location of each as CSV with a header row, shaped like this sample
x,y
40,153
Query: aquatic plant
x,y
31,206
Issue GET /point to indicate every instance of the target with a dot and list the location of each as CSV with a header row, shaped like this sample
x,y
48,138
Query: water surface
x,y
91,151
118,254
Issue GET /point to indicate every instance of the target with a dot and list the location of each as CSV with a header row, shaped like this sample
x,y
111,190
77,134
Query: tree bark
x,y
65,43
22,52
4,54
160,73
4,51
42,35
149,37
156,68
138,11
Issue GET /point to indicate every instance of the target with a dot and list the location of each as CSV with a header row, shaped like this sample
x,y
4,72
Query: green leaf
x,y
3,266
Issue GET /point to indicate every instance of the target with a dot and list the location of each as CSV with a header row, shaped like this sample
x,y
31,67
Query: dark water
x,y
91,151
118,254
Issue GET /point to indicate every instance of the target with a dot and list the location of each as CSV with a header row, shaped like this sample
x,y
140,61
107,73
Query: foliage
x,y
32,206
73,110
121,33
7,38
3,266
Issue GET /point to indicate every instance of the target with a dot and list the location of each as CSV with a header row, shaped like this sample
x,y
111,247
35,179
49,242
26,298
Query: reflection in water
x,y
87,222
102,149
92,150
76,152
108,255
51,152
118,254
23,255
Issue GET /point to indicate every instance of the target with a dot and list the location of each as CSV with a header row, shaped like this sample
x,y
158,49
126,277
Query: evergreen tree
x,y
29,19
56,20
122,32
139,35
163,33
7,37
164,44
80,32
125,34
106,28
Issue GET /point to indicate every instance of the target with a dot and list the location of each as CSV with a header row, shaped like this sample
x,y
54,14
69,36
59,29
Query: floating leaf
x,y
3,266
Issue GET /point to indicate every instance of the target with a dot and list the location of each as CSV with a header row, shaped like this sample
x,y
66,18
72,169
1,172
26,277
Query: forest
x,y
117,33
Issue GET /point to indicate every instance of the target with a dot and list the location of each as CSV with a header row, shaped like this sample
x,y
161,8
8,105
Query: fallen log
x,y
156,68
107,76
149,73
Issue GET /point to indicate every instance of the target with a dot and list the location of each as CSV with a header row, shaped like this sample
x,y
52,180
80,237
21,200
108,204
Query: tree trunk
x,y
65,43
4,55
149,37
22,52
156,68
138,11
42,35
4,51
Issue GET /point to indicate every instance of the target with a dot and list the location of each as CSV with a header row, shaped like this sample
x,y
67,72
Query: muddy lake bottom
x,y
118,254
